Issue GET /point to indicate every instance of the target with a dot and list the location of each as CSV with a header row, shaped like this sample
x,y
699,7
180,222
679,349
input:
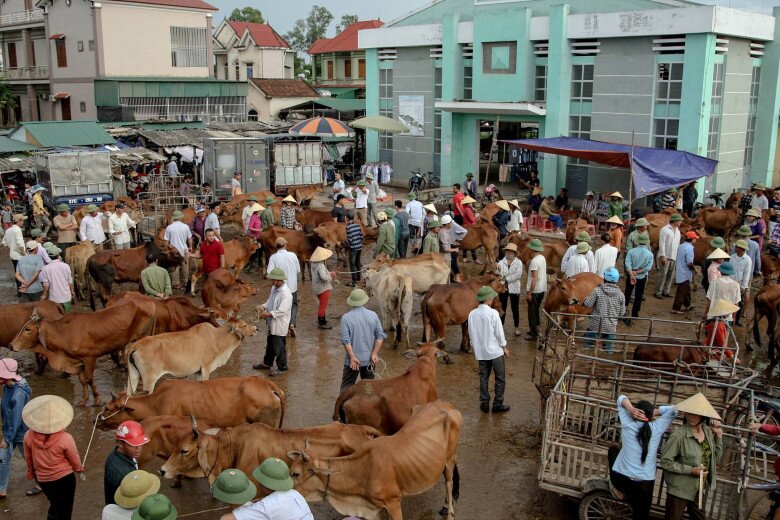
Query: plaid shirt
x,y
287,218
608,304
355,236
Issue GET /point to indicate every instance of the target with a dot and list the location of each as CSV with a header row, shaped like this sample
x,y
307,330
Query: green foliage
x,y
346,21
307,30
7,98
246,14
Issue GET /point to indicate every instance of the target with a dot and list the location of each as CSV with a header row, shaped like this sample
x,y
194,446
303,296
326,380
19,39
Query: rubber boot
x,y
323,323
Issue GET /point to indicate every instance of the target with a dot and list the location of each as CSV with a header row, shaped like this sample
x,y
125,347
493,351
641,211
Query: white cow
x,y
424,270
203,348
394,293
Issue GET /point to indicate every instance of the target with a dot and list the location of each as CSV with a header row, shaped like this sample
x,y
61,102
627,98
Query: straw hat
x,y
233,487
583,247
614,219
503,204
19,216
759,187
485,293
256,207
274,474
698,405
641,222
290,198
511,247
722,308
536,245
155,507
537,191
718,254
281,241
514,203
431,208
468,200
357,298
47,414
320,254
8,369
135,487
617,194
32,244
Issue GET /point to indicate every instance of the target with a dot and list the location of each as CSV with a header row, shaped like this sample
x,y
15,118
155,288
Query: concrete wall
x,y
76,23
268,63
79,92
148,28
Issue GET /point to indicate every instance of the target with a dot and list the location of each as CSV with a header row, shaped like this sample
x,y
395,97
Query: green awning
x,y
52,134
8,145
342,105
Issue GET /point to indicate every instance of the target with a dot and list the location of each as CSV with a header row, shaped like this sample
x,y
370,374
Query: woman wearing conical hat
x,y
690,457
717,325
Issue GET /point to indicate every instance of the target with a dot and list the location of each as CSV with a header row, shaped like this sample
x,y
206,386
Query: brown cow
x,y
720,222
238,252
225,293
171,314
734,199
386,404
334,234
305,194
553,253
246,446
298,242
425,270
479,235
567,295
14,316
669,350
125,265
77,256
766,306
224,402
188,212
450,304
486,214
231,211
574,226
73,343
385,469
311,218
770,268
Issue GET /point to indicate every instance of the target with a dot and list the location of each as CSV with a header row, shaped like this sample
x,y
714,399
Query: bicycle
x,y
418,182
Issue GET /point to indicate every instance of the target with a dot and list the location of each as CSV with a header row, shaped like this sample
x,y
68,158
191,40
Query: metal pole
x,y
631,179
492,146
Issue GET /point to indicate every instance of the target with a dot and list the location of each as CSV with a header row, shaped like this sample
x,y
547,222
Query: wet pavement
x,y
498,454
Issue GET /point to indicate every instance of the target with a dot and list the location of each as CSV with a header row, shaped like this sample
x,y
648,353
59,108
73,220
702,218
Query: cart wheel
x,y
601,505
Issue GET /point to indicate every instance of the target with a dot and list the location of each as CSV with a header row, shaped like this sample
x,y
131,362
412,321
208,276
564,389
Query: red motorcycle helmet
x,y
132,433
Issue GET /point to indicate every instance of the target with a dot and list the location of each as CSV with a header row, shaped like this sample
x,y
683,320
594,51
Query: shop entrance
x,y
505,164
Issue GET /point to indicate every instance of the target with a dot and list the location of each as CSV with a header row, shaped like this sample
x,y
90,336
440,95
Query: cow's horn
x,y
194,422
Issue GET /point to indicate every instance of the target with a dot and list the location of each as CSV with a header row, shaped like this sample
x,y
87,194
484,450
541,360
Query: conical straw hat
x,y
503,205
698,405
718,254
47,414
290,198
722,308
321,254
617,194
614,219
431,207
468,200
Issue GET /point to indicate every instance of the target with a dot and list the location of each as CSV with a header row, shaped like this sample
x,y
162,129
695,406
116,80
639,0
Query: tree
x,y
346,21
246,14
307,30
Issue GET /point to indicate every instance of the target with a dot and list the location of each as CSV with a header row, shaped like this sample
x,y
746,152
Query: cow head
x,y
28,336
250,245
430,350
194,457
116,411
169,257
241,329
245,289
309,475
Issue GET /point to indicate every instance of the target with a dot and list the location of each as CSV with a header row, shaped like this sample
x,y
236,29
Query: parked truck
x,y
75,177
275,163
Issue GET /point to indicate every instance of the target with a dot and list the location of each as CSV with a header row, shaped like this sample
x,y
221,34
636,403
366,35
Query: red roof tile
x,y
346,41
191,4
262,33
279,88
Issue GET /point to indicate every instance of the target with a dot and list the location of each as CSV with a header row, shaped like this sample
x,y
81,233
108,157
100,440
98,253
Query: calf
x,y
77,256
203,348
224,293
481,234
567,295
238,252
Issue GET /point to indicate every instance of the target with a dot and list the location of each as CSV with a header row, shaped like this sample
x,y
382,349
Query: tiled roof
x,y
262,34
191,4
346,41
285,88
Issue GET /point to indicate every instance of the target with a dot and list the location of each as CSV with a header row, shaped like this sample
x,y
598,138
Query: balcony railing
x,y
19,17
12,73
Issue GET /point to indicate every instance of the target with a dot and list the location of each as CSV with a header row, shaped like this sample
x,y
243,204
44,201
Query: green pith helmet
x,y
357,298
155,507
274,474
233,487
485,293
536,245
277,274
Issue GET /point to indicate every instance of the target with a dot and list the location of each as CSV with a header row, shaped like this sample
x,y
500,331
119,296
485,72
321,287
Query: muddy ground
x,y
498,454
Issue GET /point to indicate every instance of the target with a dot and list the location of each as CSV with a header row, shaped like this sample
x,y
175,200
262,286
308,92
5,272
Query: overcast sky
x,y
282,14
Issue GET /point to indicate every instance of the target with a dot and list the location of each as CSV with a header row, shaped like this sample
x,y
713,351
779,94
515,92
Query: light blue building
x,y
665,73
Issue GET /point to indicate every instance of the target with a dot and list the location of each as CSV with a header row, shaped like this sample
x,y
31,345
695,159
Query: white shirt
x,y
279,304
724,288
759,203
743,269
577,264
246,213
121,225
92,229
212,222
668,242
173,169
539,264
361,198
572,252
486,333
279,505
177,234
605,256
340,188
114,512
288,262
515,221
14,241
416,212
512,274
235,186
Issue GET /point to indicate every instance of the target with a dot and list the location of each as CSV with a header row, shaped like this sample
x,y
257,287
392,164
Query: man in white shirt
x,y
743,273
173,168
284,503
487,338
578,263
119,225
416,215
582,236
361,202
759,202
723,288
288,262
91,228
14,241
277,312
235,185
246,213
668,242
212,218
179,235
339,187
606,255
536,287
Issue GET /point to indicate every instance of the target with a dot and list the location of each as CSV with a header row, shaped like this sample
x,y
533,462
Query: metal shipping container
x,y
75,177
297,163
222,157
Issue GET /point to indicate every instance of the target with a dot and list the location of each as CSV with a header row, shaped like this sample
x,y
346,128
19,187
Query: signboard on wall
x,y
411,112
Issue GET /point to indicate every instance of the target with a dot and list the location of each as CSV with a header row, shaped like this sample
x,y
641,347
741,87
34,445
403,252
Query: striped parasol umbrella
x,y
326,126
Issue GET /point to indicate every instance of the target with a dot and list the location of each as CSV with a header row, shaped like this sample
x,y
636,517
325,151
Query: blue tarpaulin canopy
x,y
653,169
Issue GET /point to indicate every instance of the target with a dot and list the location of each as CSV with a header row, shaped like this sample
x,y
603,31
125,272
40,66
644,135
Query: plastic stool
x,y
548,225
534,221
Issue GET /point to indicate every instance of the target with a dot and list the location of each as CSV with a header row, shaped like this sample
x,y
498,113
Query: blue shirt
x,y
639,257
14,399
629,461
26,266
684,257
360,327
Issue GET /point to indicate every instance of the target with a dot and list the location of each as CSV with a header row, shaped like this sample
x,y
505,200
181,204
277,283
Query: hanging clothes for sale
x,y
503,173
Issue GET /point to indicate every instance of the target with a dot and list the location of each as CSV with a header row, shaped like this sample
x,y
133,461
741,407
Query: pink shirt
x,y
713,273
255,225
57,277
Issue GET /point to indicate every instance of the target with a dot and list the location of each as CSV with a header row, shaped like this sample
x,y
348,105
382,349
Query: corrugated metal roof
x,y
343,105
50,134
8,145
133,156
271,126
182,137
12,164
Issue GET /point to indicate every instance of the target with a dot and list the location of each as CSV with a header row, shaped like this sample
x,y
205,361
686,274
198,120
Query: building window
x,y
62,53
329,74
361,68
750,134
83,106
468,77
437,86
227,70
385,105
80,46
669,82
716,108
540,83
348,69
252,115
581,82
91,45
499,58
250,70
238,71
666,131
188,47
579,126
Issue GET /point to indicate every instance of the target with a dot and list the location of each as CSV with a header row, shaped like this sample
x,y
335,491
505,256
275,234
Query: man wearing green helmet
x,y
276,310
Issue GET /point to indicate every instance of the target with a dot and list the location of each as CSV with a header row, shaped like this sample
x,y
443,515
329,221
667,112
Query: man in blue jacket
x,y
16,393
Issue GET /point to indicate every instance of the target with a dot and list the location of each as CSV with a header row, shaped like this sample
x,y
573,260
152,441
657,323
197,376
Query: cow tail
x,y
456,483
283,402
338,411
89,285
426,321
756,333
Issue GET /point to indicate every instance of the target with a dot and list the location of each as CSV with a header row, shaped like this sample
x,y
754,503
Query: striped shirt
x,y
287,218
355,236
608,304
